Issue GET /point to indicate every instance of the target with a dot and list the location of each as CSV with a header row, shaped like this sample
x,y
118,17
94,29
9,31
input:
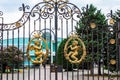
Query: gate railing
x,y
58,15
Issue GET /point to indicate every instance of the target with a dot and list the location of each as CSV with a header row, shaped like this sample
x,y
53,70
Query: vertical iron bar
x,y
34,64
72,72
72,24
50,48
56,27
34,25
72,64
78,72
18,50
98,62
7,50
1,49
116,44
40,65
23,50
82,71
92,55
88,62
34,73
29,20
39,73
67,61
118,49
13,53
39,23
78,64
82,62
108,55
103,46
62,40
87,27
44,64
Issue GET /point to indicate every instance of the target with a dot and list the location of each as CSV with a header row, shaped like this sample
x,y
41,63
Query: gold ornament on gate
x,y
36,48
72,49
112,41
17,24
113,61
111,21
92,25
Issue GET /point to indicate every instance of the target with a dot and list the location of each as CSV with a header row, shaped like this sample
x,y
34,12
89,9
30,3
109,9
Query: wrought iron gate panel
x,y
51,23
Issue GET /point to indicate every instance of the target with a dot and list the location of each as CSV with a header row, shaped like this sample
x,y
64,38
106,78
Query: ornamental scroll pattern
x,y
64,9
45,10
19,23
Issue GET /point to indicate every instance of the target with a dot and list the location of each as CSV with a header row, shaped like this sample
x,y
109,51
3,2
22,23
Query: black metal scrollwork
x,y
1,13
45,10
69,10
24,7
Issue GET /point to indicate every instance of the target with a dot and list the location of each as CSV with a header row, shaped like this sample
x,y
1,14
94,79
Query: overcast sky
x,y
11,12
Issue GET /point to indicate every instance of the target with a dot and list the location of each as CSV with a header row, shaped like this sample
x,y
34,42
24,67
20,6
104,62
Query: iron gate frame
x,y
60,8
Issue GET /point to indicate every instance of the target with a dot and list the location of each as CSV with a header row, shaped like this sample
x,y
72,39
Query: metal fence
x,y
43,45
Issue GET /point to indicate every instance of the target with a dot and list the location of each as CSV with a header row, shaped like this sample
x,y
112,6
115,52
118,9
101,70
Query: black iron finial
x,y
23,6
111,12
1,13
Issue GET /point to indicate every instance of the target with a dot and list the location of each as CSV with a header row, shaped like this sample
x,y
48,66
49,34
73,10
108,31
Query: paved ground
x,y
45,74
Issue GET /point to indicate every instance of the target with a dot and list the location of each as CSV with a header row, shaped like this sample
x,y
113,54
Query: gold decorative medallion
x,y
93,25
112,61
35,46
112,21
112,41
73,48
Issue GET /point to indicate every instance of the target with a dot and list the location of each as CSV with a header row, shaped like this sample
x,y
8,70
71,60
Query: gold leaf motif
x,y
17,24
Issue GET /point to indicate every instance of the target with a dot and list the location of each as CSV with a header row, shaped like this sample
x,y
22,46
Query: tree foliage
x,y
11,55
92,37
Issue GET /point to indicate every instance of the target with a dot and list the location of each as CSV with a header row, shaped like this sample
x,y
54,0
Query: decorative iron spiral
x,y
46,10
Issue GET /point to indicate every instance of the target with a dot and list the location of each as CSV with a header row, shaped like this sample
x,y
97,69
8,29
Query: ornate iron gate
x,y
31,47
